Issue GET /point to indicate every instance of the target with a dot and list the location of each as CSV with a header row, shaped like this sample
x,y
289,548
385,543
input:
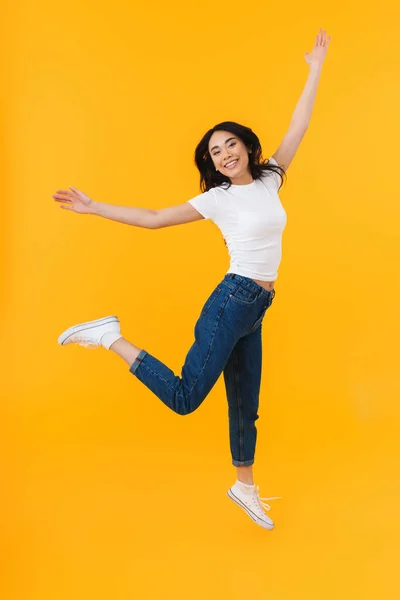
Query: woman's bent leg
x,y
215,337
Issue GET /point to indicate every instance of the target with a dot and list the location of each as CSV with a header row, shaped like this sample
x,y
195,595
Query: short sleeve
x,y
272,178
205,204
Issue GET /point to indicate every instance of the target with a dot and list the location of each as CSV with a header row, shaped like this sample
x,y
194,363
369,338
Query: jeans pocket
x,y
210,300
242,296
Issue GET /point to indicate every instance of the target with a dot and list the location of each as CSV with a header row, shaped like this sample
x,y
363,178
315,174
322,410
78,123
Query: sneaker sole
x,y
83,326
253,516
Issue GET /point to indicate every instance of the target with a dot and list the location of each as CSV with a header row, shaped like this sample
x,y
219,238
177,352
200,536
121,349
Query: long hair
x,y
210,178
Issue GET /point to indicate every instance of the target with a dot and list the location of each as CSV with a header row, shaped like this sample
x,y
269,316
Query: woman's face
x,y
224,147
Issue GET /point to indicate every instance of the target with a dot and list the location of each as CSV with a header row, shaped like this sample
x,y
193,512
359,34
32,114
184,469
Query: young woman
x,y
240,195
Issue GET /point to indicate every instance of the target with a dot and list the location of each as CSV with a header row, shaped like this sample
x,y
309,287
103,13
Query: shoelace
x,y
260,500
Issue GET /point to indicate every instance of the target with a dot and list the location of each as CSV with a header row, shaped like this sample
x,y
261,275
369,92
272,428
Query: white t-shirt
x,y
251,218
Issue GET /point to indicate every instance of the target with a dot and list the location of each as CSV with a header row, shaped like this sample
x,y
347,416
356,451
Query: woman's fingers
x,y
66,192
74,199
62,197
76,192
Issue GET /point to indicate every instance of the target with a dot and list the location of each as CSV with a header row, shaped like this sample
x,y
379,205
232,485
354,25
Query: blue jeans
x,y
227,339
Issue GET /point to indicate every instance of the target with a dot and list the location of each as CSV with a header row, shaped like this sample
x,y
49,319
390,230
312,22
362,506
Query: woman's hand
x,y
74,200
318,53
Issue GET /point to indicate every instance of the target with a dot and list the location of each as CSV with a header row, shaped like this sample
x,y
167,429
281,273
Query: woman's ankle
x,y
245,475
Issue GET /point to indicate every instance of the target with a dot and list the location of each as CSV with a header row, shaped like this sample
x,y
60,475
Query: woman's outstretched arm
x,y
79,202
302,113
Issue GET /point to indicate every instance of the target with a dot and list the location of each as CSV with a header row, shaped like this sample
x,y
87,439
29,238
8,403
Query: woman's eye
x,y
230,145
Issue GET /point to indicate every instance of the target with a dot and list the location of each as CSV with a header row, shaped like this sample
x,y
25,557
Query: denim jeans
x,y
227,339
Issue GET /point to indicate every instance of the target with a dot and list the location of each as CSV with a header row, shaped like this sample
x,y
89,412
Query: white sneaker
x,y
247,497
92,334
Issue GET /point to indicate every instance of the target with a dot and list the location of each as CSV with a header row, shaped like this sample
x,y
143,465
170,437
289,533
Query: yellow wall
x,y
105,493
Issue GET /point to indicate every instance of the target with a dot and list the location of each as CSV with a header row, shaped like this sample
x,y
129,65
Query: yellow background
x,y
106,493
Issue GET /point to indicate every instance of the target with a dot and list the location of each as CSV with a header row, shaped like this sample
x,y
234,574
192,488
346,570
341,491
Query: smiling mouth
x,y
234,163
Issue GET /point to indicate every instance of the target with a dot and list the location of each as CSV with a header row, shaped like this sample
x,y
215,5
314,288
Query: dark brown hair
x,y
210,178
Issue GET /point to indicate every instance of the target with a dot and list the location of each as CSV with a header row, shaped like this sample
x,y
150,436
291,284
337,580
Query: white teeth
x,y
231,164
